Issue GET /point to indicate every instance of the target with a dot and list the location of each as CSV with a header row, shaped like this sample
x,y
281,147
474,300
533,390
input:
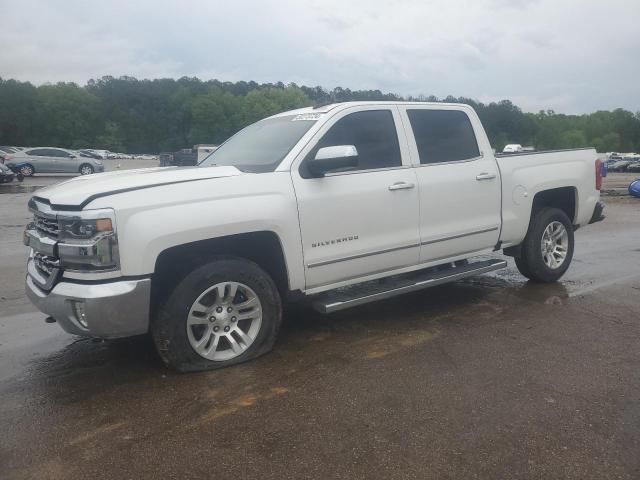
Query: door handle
x,y
401,186
486,176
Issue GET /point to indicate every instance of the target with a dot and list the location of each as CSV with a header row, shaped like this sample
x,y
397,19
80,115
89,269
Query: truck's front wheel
x,y
222,313
547,249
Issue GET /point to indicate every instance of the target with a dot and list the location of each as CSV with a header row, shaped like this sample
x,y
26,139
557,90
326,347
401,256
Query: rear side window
x,y
443,135
372,132
38,152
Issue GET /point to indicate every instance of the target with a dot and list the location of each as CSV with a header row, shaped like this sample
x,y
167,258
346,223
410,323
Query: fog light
x,y
80,313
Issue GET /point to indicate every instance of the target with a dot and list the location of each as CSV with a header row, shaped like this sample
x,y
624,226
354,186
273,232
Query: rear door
x,y
39,159
363,221
459,181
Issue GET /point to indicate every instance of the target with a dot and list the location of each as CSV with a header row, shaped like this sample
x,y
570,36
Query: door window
x,y
59,153
443,135
372,132
38,152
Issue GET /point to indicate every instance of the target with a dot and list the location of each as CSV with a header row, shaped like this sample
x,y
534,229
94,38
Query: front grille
x,y
47,271
46,225
46,265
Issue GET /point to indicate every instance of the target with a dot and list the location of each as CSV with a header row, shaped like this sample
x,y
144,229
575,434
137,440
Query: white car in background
x,y
512,148
101,153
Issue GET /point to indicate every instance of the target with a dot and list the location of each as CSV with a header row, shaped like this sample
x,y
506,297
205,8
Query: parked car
x,y
634,167
204,150
16,168
620,165
7,175
181,158
54,160
512,148
8,150
89,154
313,205
102,154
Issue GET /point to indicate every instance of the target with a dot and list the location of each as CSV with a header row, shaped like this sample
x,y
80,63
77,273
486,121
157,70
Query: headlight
x,y
83,228
88,241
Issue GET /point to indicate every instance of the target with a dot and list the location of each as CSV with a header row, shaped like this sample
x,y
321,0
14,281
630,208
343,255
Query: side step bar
x,y
386,288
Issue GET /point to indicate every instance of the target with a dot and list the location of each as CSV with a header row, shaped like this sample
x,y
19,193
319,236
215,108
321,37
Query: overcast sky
x,y
573,56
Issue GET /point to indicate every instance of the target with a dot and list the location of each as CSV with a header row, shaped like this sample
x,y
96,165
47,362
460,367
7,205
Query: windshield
x,y
262,146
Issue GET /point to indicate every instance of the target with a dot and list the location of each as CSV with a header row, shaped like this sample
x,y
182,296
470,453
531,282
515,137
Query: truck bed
x,y
525,174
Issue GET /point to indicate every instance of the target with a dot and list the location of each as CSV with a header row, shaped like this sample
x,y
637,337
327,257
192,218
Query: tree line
x,y
149,116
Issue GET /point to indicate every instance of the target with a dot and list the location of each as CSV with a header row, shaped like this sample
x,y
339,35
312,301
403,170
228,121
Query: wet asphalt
x,y
492,377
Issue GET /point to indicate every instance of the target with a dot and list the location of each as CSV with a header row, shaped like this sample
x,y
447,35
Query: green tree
x,y
111,138
163,114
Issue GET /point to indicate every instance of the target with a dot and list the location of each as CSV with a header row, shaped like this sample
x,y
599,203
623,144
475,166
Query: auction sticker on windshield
x,y
306,116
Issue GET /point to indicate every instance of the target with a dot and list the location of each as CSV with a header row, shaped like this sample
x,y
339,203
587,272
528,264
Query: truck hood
x,y
76,193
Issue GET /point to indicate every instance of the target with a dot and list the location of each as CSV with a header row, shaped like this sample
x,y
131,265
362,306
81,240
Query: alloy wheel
x,y
224,321
554,245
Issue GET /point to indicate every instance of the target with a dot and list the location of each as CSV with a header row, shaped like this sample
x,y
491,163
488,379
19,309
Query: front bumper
x,y
111,309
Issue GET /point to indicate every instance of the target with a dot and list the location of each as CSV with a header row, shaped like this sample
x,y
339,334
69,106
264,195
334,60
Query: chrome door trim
x,y
361,171
460,235
360,255
452,162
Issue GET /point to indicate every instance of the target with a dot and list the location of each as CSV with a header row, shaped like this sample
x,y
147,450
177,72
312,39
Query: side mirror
x,y
329,159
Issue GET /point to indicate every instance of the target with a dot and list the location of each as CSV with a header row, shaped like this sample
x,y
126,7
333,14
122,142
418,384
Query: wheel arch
x,y
262,247
562,198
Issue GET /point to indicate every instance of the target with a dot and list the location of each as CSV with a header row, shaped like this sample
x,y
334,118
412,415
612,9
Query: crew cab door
x,y
363,221
458,179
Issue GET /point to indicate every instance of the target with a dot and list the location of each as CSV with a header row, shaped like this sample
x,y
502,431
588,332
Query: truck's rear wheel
x,y
225,312
547,249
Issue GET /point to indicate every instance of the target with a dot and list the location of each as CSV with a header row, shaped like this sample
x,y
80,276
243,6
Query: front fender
x,y
175,215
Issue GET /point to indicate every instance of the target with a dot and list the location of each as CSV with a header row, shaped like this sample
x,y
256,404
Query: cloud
x,y
570,55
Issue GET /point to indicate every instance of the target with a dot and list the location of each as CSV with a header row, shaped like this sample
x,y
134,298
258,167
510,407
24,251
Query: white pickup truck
x,y
337,205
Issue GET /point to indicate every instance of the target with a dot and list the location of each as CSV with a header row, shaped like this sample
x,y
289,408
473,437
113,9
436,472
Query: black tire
x,y
531,262
27,170
523,268
169,328
86,169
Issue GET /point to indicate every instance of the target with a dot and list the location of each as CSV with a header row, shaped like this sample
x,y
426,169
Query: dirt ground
x,y
618,180
492,377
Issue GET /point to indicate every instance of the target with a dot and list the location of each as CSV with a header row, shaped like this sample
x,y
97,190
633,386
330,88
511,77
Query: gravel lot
x,y
492,377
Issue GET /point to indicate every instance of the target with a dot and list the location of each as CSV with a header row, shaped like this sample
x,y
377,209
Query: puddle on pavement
x,y
307,338
18,188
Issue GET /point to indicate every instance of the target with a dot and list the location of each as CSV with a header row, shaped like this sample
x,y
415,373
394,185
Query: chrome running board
x,y
360,294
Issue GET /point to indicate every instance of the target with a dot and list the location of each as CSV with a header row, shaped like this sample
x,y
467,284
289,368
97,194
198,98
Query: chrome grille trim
x,y
46,224
44,271
46,264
